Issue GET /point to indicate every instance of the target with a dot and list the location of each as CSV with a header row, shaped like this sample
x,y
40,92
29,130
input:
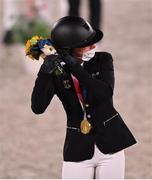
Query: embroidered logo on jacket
x,y
95,74
66,84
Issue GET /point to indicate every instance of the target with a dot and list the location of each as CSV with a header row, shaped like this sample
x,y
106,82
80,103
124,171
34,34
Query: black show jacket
x,y
109,131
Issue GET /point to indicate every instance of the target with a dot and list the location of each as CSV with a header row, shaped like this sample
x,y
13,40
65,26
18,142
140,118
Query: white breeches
x,y
100,166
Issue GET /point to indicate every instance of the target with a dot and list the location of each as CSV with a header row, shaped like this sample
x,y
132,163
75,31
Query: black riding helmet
x,y
74,32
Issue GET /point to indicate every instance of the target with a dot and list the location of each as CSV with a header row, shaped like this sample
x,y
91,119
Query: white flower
x,y
48,50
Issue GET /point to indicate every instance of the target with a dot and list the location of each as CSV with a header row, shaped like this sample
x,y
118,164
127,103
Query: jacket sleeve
x,y
43,92
107,71
102,88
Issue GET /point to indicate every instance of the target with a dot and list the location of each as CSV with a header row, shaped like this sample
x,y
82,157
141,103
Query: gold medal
x,y
85,126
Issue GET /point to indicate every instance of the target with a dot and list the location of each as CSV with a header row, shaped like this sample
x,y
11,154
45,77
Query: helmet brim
x,y
96,38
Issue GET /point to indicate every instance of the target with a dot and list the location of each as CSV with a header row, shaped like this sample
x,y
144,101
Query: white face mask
x,y
88,55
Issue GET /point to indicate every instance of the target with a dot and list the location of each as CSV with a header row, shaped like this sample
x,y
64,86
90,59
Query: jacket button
x,y
88,116
87,105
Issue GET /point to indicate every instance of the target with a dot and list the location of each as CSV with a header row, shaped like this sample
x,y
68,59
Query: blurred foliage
x,y
24,29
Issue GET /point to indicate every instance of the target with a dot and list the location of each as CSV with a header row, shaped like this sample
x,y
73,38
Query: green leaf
x,y
33,42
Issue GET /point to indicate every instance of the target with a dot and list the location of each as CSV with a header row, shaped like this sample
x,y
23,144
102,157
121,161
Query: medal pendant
x,y
85,126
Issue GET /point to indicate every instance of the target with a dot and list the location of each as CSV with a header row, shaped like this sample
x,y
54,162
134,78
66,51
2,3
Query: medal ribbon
x,y
79,93
85,125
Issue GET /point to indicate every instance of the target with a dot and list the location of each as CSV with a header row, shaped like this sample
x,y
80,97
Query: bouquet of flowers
x,y
37,47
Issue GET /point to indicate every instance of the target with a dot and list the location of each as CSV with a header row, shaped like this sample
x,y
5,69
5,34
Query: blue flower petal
x,y
43,42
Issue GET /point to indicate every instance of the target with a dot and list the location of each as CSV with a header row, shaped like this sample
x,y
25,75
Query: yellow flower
x,y
36,37
30,43
34,40
27,47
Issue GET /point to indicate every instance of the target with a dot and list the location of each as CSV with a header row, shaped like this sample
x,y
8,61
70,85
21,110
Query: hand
x,y
64,52
49,64
66,56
